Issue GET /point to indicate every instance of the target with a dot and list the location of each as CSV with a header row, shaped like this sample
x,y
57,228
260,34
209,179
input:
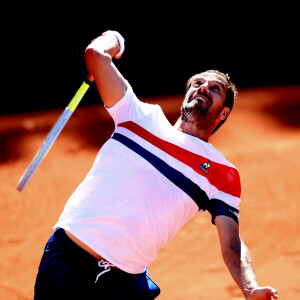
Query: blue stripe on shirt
x,y
180,180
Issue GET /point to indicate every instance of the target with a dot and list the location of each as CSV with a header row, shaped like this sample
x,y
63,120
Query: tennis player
x,y
148,180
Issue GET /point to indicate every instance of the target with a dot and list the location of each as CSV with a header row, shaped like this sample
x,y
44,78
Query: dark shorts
x,y
68,272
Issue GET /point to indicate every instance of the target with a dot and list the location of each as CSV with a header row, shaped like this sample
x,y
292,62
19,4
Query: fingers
x,y
272,293
263,293
120,39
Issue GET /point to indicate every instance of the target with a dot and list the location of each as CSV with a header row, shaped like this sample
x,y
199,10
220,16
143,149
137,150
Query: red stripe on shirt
x,y
224,178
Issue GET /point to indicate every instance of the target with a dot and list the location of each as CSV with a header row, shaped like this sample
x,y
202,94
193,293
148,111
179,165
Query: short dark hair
x,y
231,92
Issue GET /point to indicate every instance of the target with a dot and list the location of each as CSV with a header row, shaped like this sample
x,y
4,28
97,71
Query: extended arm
x,y
238,260
98,56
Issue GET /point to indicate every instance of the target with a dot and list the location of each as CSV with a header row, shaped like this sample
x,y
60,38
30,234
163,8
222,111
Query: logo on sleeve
x,y
234,212
204,167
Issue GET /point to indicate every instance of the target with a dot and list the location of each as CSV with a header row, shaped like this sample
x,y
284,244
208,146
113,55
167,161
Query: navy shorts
x,y
68,272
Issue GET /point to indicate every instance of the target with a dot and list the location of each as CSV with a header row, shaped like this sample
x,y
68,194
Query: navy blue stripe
x,y
219,208
184,183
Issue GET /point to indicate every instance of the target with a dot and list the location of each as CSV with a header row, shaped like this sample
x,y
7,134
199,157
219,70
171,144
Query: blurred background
x,y
165,45
43,66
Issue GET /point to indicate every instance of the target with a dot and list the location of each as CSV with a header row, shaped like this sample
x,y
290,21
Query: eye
x,y
215,88
196,83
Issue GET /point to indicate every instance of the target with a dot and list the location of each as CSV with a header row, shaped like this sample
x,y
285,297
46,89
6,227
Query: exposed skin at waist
x,y
83,246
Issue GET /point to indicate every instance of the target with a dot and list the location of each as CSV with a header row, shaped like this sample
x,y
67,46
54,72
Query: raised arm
x,y
99,60
238,260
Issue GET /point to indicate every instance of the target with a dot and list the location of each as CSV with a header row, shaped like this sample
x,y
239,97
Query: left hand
x,y
263,293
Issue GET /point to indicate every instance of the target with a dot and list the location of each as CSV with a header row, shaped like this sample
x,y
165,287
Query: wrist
x,y
248,291
121,42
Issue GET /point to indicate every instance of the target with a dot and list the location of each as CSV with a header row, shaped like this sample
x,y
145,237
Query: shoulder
x,y
219,157
130,107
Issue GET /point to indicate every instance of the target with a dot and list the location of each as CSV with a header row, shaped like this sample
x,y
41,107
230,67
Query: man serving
x,y
148,180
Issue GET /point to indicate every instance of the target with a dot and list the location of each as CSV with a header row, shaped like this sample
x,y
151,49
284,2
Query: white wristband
x,y
121,42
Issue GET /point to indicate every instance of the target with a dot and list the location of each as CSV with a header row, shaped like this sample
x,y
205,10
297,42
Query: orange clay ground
x,y
261,138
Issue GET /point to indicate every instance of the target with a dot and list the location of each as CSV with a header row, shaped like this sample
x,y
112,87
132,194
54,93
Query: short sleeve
x,y
127,108
226,200
217,207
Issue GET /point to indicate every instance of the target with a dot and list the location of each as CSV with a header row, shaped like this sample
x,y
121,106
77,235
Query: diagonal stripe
x,y
184,183
224,178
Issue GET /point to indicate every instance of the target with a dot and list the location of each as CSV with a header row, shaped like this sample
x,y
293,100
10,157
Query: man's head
x,y
209,99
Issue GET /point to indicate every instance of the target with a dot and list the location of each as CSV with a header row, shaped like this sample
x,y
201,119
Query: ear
x,y
224,113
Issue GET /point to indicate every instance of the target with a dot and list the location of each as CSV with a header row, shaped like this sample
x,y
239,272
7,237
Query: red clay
x,y
261,138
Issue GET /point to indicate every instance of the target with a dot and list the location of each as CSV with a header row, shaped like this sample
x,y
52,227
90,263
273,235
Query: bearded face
x,y
204,101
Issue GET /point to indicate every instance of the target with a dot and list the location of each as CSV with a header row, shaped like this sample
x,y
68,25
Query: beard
x,y
202,117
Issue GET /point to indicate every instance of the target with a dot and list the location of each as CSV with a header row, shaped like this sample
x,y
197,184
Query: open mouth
x,y
203,98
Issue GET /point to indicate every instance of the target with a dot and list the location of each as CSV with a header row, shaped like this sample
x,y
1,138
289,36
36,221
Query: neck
x,y
191,129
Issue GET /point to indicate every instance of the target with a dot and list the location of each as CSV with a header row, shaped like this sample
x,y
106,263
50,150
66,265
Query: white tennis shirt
x,y
147,181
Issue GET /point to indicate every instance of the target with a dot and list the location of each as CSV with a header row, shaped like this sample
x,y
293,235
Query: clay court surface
x,y
261,138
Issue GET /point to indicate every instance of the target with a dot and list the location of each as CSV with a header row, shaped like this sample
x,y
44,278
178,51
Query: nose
x,y
203,88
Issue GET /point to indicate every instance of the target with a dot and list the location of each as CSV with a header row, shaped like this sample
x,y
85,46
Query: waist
x,y
86,248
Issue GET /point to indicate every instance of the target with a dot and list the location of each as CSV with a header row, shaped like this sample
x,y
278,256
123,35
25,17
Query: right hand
x,y
120,40
263,293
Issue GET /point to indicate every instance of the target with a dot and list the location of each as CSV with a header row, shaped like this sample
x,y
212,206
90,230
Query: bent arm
x,y
99,60
238,260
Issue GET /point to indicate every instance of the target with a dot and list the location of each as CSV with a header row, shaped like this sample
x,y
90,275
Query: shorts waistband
x,y
81,256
